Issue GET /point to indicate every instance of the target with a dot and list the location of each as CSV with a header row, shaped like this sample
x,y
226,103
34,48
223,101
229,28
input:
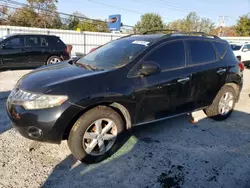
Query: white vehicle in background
x,y
242,52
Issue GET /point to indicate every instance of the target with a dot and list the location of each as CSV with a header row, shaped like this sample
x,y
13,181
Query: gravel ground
x,y
173,153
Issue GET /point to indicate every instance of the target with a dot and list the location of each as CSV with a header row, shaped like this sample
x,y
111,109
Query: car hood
x,y
46,78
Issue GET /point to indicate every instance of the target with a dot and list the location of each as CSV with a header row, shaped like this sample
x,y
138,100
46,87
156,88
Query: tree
x,y
47,16
86,25
43,5
149,21
101,26
74,20
39,13
224,31
95,26
23,17
191,23
243,25
3,15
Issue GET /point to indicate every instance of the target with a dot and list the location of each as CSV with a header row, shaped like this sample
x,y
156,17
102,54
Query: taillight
x,y
241,66
68,49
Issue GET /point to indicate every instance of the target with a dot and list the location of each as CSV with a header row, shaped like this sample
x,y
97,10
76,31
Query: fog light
x,y
34,132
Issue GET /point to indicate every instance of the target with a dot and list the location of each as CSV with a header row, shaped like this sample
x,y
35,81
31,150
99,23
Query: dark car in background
x,y
134,80
31,50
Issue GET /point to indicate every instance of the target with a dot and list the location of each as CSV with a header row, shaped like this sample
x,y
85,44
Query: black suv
x,y
31,50
134,80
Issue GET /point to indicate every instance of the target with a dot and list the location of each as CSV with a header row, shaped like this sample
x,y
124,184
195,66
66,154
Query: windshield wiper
x,y
89,67
123,61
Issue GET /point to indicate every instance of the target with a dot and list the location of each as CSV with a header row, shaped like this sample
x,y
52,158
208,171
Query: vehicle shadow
x,y
4,120
171,153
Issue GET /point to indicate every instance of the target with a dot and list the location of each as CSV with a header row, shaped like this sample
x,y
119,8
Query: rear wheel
x,y
96,135
53,60
223,104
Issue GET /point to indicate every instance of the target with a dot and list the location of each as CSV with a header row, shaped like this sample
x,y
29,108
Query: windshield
x,y
235,47
114,54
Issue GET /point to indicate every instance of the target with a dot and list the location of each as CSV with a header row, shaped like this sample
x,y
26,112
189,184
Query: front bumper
x,y
47,125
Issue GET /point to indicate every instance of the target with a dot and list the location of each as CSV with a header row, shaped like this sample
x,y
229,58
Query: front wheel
x,y
223,104
96,135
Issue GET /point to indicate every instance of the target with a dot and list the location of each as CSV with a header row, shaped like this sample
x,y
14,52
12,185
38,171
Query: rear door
x,y
38,49
167,93
14,53
208,68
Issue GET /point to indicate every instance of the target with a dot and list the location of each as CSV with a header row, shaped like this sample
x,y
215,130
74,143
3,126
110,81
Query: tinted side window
x,y
201,51
44,41
56,42
16,42
33,41
169,56
221,47
246,47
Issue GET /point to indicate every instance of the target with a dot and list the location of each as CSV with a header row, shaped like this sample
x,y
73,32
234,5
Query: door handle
x,y
221,71
183,80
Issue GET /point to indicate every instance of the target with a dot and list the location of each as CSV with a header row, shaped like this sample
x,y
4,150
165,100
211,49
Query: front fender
x,y
126,107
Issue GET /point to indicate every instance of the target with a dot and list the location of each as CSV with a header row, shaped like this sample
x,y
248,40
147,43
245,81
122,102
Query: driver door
x,y
168,92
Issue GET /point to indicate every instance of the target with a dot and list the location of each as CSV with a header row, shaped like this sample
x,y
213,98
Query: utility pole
x,y
221,24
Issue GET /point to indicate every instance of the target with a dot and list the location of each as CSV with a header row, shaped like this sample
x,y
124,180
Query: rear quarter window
x,y
56,42
201,52
221,48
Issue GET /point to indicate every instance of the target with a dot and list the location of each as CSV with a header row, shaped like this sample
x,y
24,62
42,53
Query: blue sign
x,y
114,22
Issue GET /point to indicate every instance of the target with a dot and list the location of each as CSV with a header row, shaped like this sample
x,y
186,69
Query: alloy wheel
x,y
226,103
99,137
54,60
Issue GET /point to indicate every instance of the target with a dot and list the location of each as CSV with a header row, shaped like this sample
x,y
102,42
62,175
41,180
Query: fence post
x,y
84,37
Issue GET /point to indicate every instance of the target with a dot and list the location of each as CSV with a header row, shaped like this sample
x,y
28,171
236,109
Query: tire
x,y
77,144
213,111
56,59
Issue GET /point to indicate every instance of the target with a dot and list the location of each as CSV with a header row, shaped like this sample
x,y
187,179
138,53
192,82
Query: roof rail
x,y
150,31
181,32
199,33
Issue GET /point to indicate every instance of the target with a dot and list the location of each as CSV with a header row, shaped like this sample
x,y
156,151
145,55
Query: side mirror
x,y
245,50
149,68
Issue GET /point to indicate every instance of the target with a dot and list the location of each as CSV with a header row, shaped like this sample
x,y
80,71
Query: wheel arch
x,y
118,107
237,88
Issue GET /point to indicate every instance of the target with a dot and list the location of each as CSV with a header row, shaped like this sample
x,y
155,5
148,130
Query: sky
x,y
170,10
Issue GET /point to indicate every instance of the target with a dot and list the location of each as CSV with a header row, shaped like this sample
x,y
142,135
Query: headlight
x,y
32,101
